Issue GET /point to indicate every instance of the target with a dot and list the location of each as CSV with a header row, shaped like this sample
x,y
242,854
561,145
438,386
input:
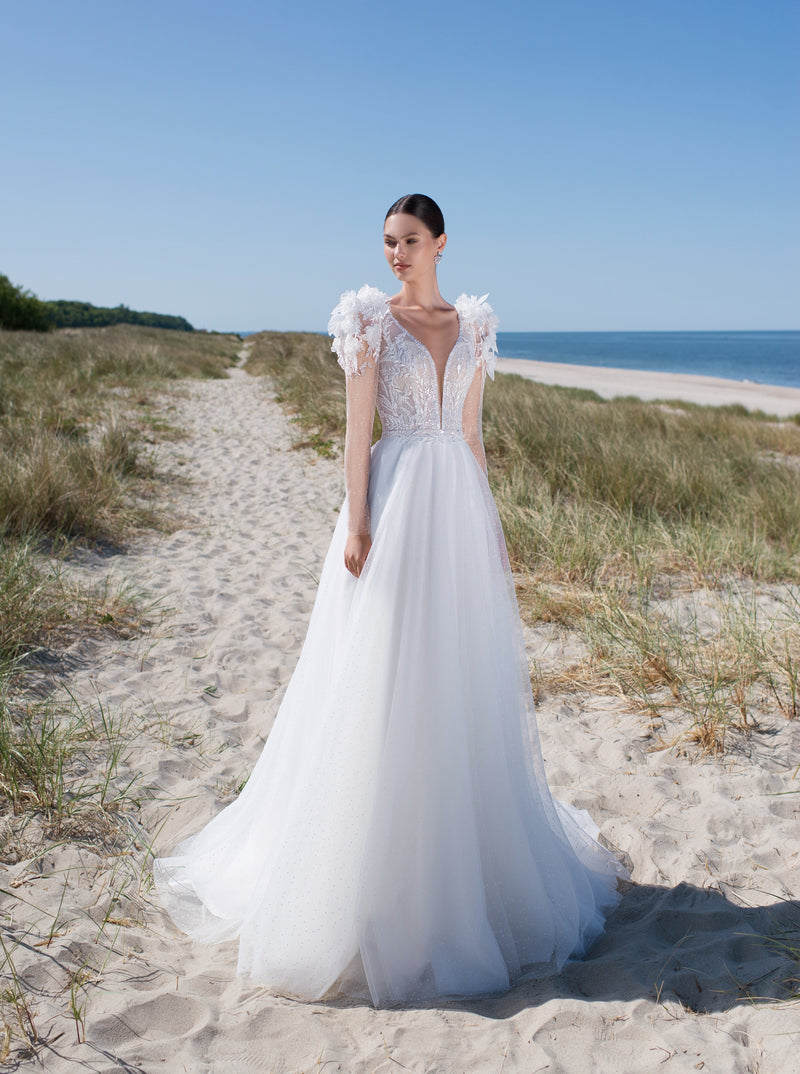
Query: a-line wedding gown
x,y
397,839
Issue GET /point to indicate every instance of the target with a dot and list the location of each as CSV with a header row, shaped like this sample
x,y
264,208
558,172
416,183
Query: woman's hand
x,y
355,552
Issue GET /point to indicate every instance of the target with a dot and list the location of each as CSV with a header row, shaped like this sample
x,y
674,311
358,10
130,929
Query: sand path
x,y
713,844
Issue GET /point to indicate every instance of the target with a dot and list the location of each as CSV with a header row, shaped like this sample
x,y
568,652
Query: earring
x,y
437,258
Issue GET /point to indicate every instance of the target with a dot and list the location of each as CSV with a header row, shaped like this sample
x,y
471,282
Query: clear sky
x,y
601,164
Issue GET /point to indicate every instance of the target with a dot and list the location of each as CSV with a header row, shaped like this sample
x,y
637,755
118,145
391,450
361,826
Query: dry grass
x,y
608,504
589,489
71,437
718,658
78,413
309,383
67,765
75,426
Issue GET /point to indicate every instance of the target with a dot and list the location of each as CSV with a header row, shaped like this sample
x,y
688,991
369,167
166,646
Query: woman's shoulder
x,y
477,313
365,304
357,320
475,310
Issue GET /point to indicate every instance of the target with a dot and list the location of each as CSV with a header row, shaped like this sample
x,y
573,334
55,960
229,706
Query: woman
x,y
397,839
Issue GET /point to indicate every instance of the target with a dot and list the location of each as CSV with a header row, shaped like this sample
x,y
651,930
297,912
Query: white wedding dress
x,y
397,840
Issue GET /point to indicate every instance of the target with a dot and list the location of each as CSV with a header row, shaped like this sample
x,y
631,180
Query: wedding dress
x,y
397,840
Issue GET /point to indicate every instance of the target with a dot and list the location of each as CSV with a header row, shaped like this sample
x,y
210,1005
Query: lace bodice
x,y
388,367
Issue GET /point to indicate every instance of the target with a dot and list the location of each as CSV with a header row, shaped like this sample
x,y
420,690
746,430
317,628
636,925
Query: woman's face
x,y
409,247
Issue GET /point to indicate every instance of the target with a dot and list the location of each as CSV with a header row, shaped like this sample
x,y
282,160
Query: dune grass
x,y
717,659
308,382
605,504
70,437
587,486
77,799
75,425
68,764
78,416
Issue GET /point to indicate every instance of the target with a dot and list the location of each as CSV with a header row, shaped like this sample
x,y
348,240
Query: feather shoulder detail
x,y
484,322
357,318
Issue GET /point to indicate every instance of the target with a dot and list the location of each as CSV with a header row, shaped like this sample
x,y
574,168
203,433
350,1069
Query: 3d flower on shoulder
x,y
356,319
477,312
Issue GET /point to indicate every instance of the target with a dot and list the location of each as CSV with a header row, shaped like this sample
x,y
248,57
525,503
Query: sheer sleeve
x,y
361,393
472,417
483,324
355,325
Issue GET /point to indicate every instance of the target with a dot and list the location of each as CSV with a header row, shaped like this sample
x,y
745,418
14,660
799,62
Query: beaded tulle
x,y
397,839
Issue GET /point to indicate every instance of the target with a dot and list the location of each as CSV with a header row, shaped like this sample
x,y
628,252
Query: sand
x,y
707,391
713,843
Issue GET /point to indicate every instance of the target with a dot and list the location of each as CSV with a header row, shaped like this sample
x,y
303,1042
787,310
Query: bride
x,y
397,840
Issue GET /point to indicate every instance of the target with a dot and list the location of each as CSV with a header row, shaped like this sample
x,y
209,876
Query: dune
x,y
690,972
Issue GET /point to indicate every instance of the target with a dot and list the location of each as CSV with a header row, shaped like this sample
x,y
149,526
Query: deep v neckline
x,y
440,393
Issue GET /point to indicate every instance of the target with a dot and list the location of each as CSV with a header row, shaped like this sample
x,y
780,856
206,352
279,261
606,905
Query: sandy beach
x,y
689,973
707,391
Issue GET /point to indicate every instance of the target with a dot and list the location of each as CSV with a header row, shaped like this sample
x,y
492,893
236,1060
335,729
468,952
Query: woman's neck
x,y
423,294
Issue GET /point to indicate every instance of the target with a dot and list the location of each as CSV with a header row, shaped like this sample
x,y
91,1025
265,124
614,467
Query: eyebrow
x,y
386,235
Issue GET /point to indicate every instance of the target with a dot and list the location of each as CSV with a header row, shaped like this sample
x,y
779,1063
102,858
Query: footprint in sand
x,y
168,1016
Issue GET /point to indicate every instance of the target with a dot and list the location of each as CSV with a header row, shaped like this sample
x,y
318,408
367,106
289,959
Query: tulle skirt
x,y
396,840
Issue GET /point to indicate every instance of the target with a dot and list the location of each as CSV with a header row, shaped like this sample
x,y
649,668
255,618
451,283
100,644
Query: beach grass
x,y
666,624
715,658
606,504
66,763
308,383
17,1010
78,416
76,425
73,423
588,487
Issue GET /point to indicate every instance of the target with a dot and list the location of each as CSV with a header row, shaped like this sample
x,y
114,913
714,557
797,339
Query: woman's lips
x,y
398,267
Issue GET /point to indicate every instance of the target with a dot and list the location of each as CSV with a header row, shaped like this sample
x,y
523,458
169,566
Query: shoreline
x,y
649,385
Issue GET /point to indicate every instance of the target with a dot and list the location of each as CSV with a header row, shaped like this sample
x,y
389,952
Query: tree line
x,y
21,310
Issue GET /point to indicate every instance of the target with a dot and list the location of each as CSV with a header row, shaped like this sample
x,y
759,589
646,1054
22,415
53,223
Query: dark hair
x,y
424,208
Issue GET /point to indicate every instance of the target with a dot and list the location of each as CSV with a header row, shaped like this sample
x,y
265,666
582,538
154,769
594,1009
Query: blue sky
x,y
601,164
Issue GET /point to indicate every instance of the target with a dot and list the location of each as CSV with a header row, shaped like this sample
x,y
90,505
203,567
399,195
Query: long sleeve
x,y
361,393
481,317
355,325
472,417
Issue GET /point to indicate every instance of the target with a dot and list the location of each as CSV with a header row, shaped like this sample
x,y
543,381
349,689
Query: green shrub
x,y
20,310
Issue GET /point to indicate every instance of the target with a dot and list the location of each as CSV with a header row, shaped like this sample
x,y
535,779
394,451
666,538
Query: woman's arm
x,y
472,416
355,325
481,318
362,386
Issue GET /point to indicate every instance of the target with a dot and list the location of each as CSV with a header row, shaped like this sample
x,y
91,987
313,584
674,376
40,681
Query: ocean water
x,y
762,357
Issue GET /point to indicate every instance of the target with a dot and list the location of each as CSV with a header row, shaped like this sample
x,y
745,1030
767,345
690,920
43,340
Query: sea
x,y
757,357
